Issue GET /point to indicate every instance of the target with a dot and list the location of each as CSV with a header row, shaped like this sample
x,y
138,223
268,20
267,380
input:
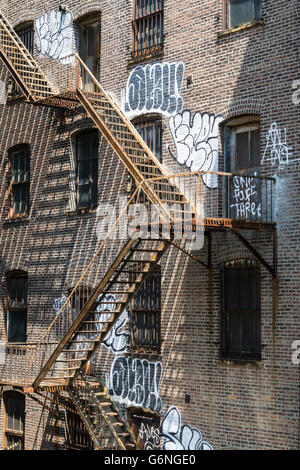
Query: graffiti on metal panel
x,y
149,436
245,196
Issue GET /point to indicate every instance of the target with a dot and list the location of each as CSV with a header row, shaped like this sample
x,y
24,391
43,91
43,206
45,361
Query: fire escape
x,y
58,368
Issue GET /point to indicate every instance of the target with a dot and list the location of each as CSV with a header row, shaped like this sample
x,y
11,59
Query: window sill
x,y
242,27
14,219
147,55
250,363
81,212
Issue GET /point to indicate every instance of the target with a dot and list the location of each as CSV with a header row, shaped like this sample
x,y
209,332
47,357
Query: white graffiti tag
x,y
135,382
58,303
277,150
245,196
196,141
54,34
150,436
154,88
177,437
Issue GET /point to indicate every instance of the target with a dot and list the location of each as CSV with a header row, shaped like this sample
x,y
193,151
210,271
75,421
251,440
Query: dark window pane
x,y
16,326
243,11
255,148
87,170
241,311
242,150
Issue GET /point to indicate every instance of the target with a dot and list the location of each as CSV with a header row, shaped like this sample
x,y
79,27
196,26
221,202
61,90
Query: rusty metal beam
x,y
271,269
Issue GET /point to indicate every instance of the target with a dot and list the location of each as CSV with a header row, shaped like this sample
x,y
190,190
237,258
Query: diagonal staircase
x,y
101,417
101,311
130,267
22,65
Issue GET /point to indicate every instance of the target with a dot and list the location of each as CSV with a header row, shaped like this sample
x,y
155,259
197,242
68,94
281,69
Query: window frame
x,y
84,23
13,185
243,128
13,395
227,18
91,205
226,351
146,19
27,27
136,311
22,310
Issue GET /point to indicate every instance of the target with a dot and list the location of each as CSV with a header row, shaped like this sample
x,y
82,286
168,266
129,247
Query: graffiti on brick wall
x,y
154,88
2,92
246,197
135,382
277,150
58,303
296,94
116,338
54,34
196,141
176,436
149,436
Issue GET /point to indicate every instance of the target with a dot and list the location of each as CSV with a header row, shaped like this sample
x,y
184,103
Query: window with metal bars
x,y
238,12
148,27
151,132
77,436
146,314
18,193
14,420
25,31
241,310
16,301
87,169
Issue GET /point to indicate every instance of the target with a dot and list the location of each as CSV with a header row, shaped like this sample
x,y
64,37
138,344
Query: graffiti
x,y
150,437
54,34
58,303
296,94
2,92
116,338
2,352
196,141
277,150
177,437
296,353
135,382
154,88
245,197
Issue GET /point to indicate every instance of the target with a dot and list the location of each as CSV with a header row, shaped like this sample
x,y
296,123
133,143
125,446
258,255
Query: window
x,y
148,27
241,310
14,420
19,182
25,31
16,321
87,170
89,48
146,314
246,147
151,132
77,436
242,11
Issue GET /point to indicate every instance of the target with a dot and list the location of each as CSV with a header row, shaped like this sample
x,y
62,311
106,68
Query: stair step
x,y
77,351
106,403
124,434
120,424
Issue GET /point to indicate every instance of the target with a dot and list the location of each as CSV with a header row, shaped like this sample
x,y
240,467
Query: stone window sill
x,y
249,363
146,56
14,220
242,27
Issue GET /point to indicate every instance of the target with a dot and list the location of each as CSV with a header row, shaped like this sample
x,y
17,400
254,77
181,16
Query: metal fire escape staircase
x,y
130,267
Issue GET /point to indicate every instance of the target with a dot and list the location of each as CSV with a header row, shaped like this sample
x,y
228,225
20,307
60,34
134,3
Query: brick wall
x,y
248,71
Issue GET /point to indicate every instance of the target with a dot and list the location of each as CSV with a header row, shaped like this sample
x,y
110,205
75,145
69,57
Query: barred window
x,y
16,307
151,132
25,31
241,310
242,11
87,170
19,182
14,420
146,314
148,27
77,436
